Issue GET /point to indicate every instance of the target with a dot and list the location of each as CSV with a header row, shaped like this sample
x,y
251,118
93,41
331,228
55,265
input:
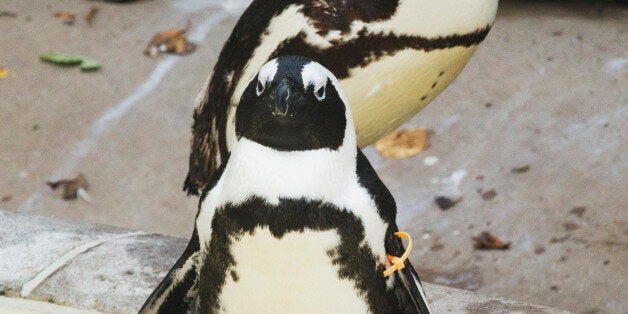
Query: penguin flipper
x,y
178,290
413,284
387,209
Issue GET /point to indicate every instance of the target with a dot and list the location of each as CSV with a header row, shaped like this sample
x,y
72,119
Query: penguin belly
x,y
290,274
391,90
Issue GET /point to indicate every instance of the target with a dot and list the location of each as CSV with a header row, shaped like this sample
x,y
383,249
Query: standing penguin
x,y
296,219
392,57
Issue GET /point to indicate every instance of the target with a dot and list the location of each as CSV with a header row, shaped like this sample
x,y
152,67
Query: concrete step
x,y
113,270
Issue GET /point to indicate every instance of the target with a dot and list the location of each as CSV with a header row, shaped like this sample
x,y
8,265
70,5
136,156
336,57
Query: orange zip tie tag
x,y
398,262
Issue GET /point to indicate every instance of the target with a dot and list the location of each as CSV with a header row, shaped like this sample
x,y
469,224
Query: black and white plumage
x,y
391,57
296,220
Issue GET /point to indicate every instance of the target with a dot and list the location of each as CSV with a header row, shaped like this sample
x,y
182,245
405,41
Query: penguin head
x,y
294,104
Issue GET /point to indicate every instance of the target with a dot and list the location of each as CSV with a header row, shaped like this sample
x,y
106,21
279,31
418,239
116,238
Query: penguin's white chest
x,y
291,274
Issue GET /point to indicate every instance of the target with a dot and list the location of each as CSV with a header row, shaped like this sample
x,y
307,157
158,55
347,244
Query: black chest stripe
x,y
366,48
355,261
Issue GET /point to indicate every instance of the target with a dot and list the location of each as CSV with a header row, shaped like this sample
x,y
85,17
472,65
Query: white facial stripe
x,y
315,74
268,71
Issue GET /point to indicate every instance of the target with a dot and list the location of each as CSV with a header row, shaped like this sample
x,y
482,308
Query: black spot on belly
x,y
424,96
234,276
434,85
354,260
441,73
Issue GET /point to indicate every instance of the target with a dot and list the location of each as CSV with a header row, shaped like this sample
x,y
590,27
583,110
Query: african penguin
x,y
296,220
392,57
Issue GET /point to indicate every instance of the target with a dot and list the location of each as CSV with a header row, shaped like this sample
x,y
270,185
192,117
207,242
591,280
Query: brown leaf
x,y
489,195
570,226
445,203
578,211
66,17
70,186
89,18
560,240
487,241
3,73
437,246
170,41
7,14
522,169
403,143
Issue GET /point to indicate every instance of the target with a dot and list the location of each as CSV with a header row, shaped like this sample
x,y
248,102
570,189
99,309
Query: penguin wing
x,y
177,291
387,209
209,128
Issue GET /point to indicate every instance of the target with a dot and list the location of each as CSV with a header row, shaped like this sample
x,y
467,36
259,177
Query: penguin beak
x,y
283,93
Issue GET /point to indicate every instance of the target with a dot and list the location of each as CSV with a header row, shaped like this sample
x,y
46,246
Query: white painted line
x,y
28,287
110,117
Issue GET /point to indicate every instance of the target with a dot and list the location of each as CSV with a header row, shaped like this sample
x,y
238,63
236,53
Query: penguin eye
x,y
259,89
320,92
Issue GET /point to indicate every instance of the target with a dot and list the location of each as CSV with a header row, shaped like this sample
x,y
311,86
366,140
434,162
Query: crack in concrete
x,y
28,287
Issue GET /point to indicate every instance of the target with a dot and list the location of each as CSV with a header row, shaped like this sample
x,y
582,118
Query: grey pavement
x,y
547,89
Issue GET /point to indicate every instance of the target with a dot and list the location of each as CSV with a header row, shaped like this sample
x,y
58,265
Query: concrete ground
x,y
546,90
114,270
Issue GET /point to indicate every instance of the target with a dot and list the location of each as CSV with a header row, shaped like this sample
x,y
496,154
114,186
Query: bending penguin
x,y
296,220
391,57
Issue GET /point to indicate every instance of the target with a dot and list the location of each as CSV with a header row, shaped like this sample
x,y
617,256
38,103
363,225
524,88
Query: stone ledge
x,y
113,270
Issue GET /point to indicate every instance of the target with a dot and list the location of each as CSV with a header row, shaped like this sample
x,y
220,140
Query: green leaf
x,y
86,63
89,64
61,58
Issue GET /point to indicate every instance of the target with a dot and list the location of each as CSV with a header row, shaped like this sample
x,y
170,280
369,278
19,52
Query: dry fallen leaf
x,y
72,188
7,14
170,41
489,195
446,203
522,169
89,18
487,241
66,17
578,211
403,143
3,72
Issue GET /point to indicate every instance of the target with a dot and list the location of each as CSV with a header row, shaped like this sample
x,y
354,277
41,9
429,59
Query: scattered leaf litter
x,y
489,195
522,169
403,143
446,203
578,211
67,18
72,188
487,241
7,14
89,18
170,41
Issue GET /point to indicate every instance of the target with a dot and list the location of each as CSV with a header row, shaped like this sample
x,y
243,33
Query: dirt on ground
x,y
529,142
